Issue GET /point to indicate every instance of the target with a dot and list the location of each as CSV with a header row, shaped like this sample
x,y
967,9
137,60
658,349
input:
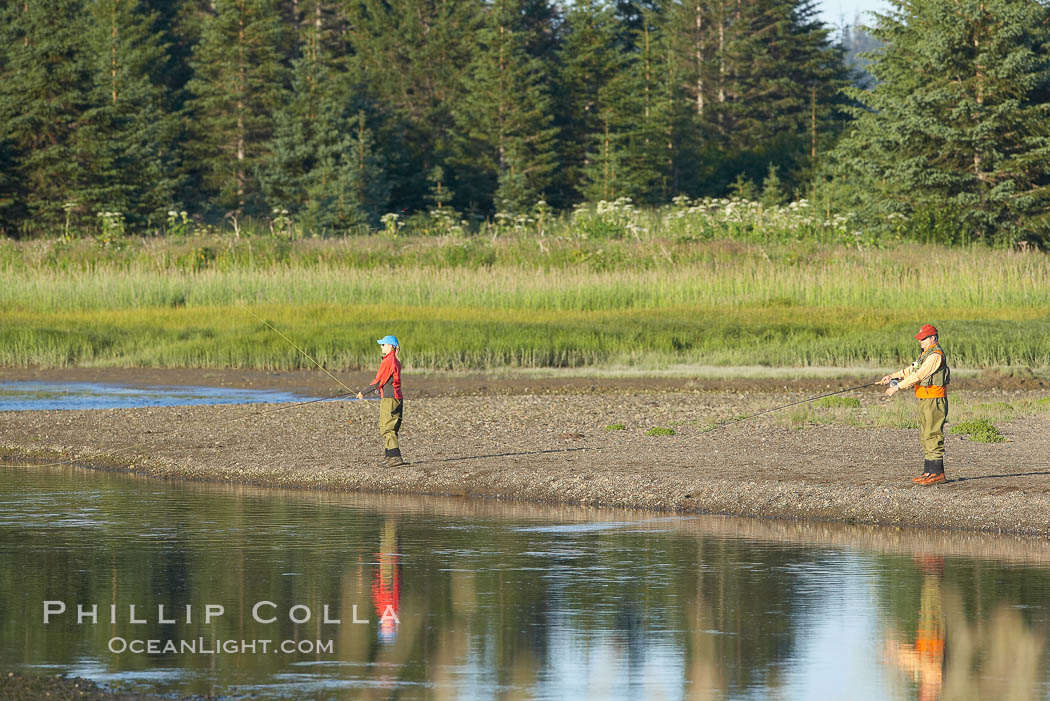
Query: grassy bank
x,y
516,301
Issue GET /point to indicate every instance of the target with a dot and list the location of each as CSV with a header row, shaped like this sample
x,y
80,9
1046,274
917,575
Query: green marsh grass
x,y
453,338
731,275
515,301
660,431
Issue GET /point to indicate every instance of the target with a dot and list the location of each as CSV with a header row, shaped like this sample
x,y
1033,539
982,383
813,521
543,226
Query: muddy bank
x,y
555,448
62,688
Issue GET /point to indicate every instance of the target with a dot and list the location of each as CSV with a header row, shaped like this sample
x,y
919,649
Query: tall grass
x,y
516,300
919,278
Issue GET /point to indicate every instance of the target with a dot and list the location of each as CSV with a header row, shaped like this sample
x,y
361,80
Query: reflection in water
x,y
460,599
386,584
974,638
923,660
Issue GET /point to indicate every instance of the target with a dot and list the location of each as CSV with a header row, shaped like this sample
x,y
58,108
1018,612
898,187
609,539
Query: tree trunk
x,y
979,87
699,48
242,92
113,52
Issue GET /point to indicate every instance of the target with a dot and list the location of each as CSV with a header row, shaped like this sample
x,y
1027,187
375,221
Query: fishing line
x,y
785,406
292,406
272,328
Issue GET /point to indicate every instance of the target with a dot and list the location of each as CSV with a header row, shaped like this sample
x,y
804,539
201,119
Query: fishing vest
x,y
936,385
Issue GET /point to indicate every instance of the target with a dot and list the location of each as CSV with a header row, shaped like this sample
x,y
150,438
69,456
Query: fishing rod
x,y
785,406
274,329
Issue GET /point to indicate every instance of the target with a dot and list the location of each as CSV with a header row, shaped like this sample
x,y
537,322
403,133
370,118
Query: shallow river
x,y
191,588
23,396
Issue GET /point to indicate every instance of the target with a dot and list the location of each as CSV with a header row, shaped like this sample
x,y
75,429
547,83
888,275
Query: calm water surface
x,y
480,600
23,396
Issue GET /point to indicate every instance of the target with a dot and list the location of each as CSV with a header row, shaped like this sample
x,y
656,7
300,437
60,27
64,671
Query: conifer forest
x,y
149,116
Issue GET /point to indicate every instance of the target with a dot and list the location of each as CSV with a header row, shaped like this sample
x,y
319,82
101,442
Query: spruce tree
x,y
654,147
43,96
784,57
506,137
238,85
411,57
593,71
956,134
130,124
11,197
324,166
762,81
619,97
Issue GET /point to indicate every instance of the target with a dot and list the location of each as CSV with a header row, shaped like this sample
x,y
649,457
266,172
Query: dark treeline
x,y
337,111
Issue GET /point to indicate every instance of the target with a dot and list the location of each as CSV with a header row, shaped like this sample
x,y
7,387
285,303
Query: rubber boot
x,y
385,462
936,473
927,470
395,459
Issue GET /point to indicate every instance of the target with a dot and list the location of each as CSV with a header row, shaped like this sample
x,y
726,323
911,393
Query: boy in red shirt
x,y
391,404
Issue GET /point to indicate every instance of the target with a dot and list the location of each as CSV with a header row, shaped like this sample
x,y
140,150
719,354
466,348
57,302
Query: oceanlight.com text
x,y
204,646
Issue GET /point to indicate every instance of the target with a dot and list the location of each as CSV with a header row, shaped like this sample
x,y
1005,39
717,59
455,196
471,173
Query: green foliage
x,y
773,194
615,427
615,122
800,417
411,56
238,85
753,78
342,112
505,135
955,134
660,431
440,195
742,188
325,167
44,93
11,200
132,124
979,430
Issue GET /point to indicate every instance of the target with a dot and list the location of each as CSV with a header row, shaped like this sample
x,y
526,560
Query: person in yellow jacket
x,y
930,377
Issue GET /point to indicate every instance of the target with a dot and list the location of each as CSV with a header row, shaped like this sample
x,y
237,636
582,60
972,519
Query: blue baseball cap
x,y
392,340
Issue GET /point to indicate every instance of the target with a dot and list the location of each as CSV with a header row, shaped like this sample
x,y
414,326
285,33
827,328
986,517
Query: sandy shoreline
x,y
554,448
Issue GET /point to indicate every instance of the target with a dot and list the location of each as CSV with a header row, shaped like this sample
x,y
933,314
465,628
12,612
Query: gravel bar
x,y
555,448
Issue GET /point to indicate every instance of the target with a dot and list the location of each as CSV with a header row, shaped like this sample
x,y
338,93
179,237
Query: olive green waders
x,y
390,423
933,413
